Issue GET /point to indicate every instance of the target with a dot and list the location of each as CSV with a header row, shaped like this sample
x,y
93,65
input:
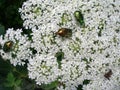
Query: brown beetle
x,y
64,32
8,46
108,74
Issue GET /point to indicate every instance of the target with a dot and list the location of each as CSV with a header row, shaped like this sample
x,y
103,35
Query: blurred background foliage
x,y
9,16
13,78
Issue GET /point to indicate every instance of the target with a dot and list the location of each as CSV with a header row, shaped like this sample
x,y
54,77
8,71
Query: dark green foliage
x,y
2,29
9,16
11,81
5,67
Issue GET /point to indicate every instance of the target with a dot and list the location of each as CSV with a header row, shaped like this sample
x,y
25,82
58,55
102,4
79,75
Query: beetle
x,y
108,74
8,46
79,17
64,32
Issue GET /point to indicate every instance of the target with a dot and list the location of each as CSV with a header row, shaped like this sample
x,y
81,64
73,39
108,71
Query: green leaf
x,y
10,77
10,80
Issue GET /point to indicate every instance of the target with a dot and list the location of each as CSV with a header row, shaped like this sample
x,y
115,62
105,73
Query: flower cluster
x,y
15,47
77,43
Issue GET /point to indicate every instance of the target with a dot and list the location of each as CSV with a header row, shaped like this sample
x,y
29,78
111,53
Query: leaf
x,y
10,80
10,77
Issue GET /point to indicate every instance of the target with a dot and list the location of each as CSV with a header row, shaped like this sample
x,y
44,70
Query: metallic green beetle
x,y
79,17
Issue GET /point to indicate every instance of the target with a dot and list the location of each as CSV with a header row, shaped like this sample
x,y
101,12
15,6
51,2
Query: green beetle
x,y
79,17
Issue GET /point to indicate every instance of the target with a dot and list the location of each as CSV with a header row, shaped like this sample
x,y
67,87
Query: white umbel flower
x,y
89,53
19,45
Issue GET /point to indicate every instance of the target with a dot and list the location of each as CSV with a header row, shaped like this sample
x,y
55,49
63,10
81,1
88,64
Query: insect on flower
x,y
79,17
108,74
8,46
64,32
